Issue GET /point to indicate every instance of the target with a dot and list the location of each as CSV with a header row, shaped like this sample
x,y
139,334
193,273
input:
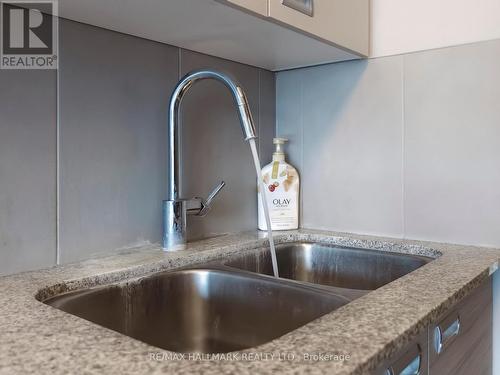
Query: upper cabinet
x,y
341,22
256,6
272,34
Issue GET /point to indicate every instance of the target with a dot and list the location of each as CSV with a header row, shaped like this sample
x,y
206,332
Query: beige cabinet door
x,y
342,22
256,6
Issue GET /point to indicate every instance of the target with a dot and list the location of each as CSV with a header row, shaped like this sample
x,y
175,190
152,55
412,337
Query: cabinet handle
x,y
442,337
412,368
303,6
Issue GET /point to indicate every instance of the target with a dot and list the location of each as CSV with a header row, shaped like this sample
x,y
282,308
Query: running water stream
x,y
262,188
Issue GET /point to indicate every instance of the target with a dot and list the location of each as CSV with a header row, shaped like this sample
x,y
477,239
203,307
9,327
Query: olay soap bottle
x,y
282,191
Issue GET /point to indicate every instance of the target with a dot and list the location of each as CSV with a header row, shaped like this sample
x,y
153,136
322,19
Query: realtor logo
x,y
29,34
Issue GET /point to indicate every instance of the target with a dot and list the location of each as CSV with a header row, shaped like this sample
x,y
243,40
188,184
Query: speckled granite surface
x,y
36,338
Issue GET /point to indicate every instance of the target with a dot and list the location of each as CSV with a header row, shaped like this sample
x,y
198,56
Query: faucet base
x,y
175,248
174,225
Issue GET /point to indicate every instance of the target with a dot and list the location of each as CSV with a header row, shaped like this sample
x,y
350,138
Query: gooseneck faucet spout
x,y
176,209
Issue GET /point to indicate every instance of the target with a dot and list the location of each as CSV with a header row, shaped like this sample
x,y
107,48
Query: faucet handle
x,y
207,203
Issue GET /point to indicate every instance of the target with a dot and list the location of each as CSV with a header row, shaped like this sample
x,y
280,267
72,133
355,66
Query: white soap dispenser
x,y
282,191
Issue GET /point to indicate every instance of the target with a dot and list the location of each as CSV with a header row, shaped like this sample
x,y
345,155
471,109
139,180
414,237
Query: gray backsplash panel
x,y
267,115
404,146
344,124
452,137
114,91
289,113
27,169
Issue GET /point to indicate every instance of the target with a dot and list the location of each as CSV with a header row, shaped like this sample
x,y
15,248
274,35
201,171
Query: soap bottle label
x,y
282,192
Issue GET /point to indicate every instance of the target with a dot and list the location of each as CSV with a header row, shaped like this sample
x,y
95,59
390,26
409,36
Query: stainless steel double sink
x,y
236,304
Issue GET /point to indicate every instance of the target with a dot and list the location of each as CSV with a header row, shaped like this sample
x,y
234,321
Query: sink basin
x,y
335,266
200,310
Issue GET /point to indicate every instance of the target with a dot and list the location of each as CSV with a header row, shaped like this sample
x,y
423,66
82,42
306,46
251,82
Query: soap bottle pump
x,y
282,185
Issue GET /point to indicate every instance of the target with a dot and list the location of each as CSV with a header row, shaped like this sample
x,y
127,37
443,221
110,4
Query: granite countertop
x,y
37,338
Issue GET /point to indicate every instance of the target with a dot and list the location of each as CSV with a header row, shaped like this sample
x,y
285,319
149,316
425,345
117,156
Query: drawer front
x,y
413,359
460,343
344,23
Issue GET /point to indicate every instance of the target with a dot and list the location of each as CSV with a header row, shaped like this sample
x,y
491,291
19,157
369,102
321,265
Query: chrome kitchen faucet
x,y
175,209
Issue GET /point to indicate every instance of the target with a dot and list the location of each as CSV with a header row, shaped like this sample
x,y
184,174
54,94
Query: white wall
x,y
399,26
